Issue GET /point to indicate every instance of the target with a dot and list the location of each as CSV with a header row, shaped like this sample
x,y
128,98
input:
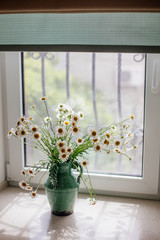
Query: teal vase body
x,y
63,197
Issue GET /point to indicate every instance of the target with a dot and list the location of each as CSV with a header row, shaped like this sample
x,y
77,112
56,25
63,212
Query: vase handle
x,y
80,173
77,165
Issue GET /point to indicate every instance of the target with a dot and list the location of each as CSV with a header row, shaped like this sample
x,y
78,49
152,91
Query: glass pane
x,y
106,86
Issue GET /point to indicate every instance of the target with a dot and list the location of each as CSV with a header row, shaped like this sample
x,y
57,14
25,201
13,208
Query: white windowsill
x,y
22,218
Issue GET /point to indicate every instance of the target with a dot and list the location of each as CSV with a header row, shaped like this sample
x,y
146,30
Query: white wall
x,y
2,158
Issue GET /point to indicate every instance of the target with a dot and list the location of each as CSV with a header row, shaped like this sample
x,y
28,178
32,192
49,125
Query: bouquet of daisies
x,y
62,141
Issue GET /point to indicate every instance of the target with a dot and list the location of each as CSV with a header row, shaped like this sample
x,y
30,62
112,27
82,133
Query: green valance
x,y
85,30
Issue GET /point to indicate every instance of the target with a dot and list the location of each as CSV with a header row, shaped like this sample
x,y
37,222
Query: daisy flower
x,y
75,118
117,150
93,133
23,184
92,201
60,131
79,140
30,118
33,194
62,150
76,129
67,122
36,136
106,142
80,115
43,98
97,147
29,188
63,157
47,119
10,133
22,119
132,117
23,172
95,140
22,132
60,144
31,173
117,143
34,129
84,163
69,150
18,123
108,135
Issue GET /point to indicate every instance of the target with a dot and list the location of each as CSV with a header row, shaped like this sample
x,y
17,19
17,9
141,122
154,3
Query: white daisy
x,y
29,188
63,157
84,163
76,129
34,129
62,150
80,115
75,118
69,150
97,147
60,131
60,144
31,173
23,172
93,132
36,136
79,140
106,142
47,119
95,140
22,133
33,194
23,184
10,133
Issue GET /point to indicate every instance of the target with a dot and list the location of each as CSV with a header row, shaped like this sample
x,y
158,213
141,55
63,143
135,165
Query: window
x,y
145,179
107,86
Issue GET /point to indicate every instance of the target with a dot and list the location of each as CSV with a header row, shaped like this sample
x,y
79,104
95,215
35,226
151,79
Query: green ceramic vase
x,y
62,199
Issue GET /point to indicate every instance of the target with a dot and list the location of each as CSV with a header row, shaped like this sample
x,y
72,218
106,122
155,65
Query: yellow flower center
x,y
36,135
64,155
98,147
43,98
117,143
61,144
23,132
108,135
84,163
75,129
75,118
106,142
60,130
63,150
94,133
34,129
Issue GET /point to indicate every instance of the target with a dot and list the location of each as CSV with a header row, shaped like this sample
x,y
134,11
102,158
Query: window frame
x,y
103,184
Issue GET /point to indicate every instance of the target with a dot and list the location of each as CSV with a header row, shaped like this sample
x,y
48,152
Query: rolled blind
x,y
87,29
52,6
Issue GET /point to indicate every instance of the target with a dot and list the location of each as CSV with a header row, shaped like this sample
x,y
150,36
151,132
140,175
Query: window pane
x,y
106,86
